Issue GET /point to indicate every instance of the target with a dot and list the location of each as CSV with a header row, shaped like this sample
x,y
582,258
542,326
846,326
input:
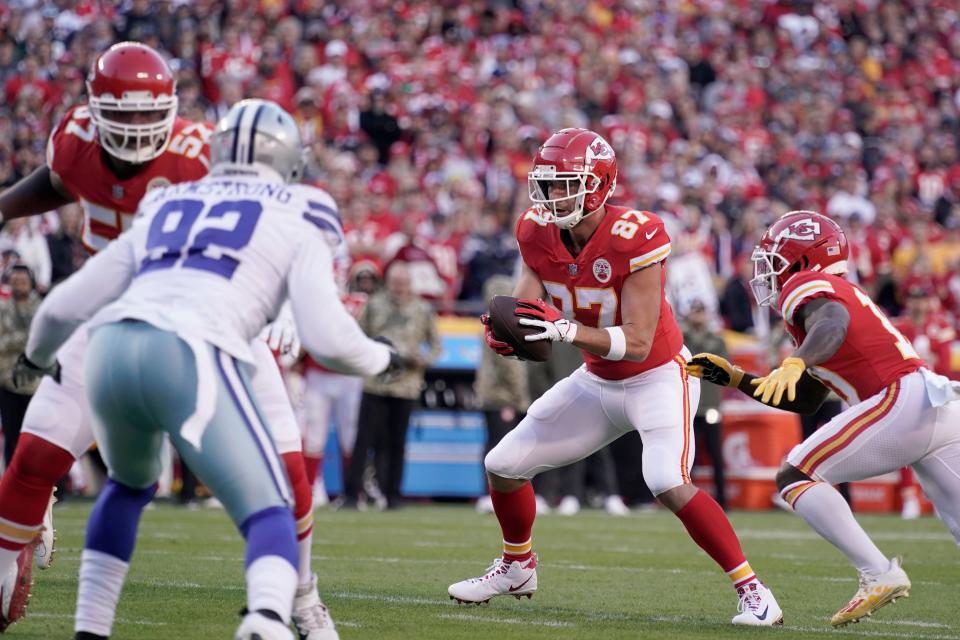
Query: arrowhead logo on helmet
x,y
800,230
798,241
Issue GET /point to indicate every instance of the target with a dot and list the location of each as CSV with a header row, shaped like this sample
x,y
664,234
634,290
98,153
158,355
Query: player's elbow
x,y
638,347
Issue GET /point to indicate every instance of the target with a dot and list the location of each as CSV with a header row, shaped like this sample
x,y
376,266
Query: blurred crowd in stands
x,y
423,116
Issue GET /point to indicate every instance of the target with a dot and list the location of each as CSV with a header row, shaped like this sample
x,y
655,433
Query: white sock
x,y
8,560
271,584
101,580
304,547
828,513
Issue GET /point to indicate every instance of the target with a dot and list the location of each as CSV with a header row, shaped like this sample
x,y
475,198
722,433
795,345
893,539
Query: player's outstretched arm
x,y
100,281
37,193
327,330
825,322
811,393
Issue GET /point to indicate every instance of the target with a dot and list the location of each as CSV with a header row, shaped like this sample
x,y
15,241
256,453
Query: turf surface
x,y
385,575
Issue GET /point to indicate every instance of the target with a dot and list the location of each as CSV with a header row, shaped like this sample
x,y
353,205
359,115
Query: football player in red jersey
x,y
900,413
106,155
603,268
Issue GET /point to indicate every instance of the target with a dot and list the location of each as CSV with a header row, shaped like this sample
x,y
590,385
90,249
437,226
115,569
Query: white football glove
x,y
537,313
281,334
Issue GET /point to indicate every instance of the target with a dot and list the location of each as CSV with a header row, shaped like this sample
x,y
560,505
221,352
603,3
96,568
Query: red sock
x,y
312,465
302,495
709,527
26,486
907,479
516,512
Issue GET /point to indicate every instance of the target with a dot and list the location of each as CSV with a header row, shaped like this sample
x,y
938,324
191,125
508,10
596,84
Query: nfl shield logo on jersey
x,y
117,191
602,270
572,269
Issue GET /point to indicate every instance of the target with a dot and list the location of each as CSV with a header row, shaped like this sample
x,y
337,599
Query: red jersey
x,y
588,286
874,354
931,340
109,203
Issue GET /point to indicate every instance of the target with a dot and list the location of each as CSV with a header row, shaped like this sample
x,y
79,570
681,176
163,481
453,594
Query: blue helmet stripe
x,y
236,135
253,133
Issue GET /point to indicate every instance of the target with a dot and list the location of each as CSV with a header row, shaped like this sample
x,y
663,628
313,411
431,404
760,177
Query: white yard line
x,y
475,618
69,616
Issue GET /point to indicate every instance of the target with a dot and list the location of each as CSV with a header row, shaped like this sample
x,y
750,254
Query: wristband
x,y
618,344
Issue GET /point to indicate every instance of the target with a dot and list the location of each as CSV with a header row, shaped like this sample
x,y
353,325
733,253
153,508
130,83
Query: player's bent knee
x,y
498,464
788,475
138,479
662,478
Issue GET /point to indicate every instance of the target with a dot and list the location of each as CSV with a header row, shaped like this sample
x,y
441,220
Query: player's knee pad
x,y
662,476
501,461
39,462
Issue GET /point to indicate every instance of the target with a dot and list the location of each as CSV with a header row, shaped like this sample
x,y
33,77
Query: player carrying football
x,y
106,155
900,413
603,267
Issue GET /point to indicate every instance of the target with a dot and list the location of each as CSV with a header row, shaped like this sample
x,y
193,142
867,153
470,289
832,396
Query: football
x,y
506,327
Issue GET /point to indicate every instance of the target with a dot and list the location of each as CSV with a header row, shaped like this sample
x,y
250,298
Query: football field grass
x,y
385,575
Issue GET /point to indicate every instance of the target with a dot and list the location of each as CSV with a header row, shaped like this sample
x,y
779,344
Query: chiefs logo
x,y
602,270
800,230
599,149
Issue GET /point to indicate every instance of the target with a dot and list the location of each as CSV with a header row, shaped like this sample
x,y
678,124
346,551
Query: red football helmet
x,y
798,241
585,167
128,84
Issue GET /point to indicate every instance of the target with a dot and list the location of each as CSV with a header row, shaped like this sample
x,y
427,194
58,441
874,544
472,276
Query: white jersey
x,y
214,260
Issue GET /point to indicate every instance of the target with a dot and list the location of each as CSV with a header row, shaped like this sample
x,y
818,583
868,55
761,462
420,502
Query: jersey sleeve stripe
x,y
324,222
319,206
804,291
649,258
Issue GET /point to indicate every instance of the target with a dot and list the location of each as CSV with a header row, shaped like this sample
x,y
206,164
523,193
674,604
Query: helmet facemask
x,y
135,143
578,187
768,266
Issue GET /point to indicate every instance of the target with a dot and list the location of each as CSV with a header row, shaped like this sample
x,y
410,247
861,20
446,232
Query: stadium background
x,y
422,118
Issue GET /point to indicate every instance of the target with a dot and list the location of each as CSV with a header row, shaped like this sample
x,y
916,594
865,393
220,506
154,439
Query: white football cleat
x,y
256,626
320,497
310,615
484,504
518,578
911,507
875,591
543,507
15,588
569,506
614,506
43,553
757,606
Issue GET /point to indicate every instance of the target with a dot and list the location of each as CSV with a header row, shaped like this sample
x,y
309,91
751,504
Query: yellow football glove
x,y
783,378
715,369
